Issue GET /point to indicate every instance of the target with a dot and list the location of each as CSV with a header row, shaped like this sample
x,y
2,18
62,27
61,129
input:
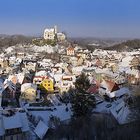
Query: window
x,y
49,85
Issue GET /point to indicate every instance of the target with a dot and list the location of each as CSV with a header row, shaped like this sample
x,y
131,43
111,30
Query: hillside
x,y
6,40
91,43
126,46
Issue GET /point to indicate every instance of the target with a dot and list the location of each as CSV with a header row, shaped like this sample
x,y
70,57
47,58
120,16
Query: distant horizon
x,y
76,37
78,18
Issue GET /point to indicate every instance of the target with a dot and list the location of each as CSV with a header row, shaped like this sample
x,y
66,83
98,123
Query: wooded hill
x,y
6,40
126,46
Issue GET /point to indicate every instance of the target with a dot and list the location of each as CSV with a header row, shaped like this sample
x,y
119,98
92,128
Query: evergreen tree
x,y
82,83
82,102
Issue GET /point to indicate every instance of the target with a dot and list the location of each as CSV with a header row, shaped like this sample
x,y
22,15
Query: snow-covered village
x,y
43,88
69,69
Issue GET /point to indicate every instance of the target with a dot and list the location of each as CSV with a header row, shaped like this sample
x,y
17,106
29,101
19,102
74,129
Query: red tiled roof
x,y
70,48
112,86
93,89
98,63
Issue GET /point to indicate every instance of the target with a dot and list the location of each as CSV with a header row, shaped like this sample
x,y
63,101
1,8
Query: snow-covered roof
x,y
41,73
9,50
8,83
12,58
60,33
53,99
106,107
18,120
57,77
47,60
78,68
20,77
12,122
133,72
41,129
120,112
122,91
49,30
48,49
2,130
24,121
126,61
59,112
28,85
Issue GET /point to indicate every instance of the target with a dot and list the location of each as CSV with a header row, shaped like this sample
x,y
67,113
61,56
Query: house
x,y
126,61
108,88
38,79
4,63
113,67
133,76
43,81
20,55
112,90
57,79
84,54
28,92
70,51
56,69
47,84
113,59
98,63
137,77
97,74
89,70
20,78
118,78
73,61
9,94
77,70
66,83
30,65
80,61
13,125
135,62
13,78
12,60
1,91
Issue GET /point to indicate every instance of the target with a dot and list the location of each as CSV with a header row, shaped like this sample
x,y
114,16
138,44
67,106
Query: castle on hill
x,y
52,33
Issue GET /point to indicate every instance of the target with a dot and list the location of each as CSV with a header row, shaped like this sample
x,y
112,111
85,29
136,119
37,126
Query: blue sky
x,y
88,18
